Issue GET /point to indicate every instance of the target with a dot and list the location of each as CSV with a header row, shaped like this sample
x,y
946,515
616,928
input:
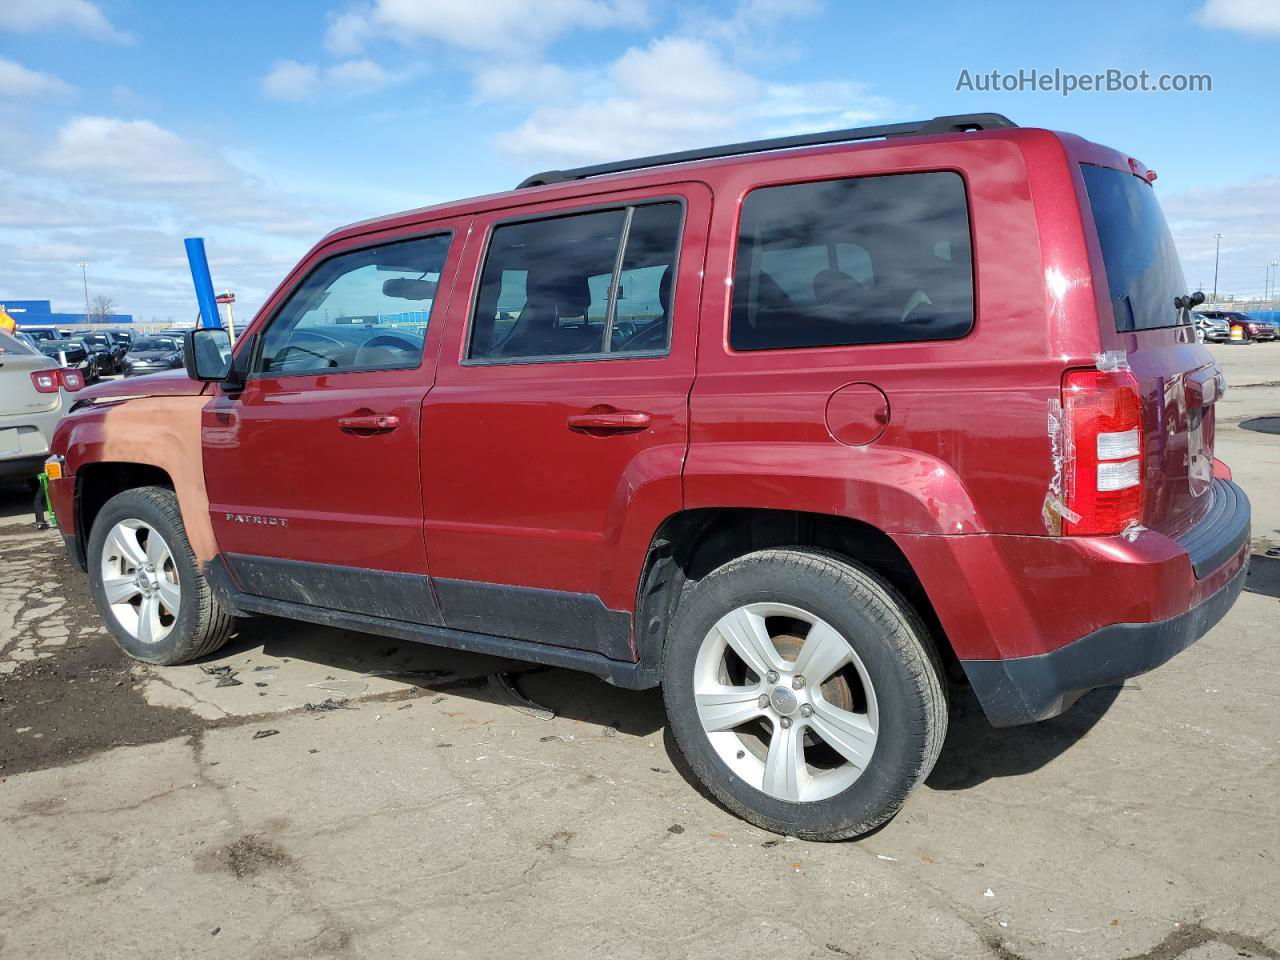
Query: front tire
x,y
146,584
804,693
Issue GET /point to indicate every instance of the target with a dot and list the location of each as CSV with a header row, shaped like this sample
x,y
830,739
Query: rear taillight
x,y
48,381
1103,412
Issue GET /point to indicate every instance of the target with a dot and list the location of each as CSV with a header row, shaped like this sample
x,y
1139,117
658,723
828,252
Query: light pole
x,y
84,275
1217,247
1271,294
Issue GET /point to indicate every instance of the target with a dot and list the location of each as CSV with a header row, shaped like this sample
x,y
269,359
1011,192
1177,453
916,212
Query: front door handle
x,y
369,423
610,421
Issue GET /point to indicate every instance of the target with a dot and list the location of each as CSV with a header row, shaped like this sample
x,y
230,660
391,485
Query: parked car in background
x,y
762,456
34,393
151,354
72,354
1254,329
103,361
124,336
112,349
1212,329
41,333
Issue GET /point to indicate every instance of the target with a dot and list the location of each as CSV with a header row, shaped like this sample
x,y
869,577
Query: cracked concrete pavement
x,y
144,814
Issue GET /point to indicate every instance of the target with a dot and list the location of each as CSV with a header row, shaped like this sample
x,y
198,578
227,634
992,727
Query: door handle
x,y
368,423
610,421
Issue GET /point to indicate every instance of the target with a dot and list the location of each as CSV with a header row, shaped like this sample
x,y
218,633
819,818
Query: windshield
x,y
1143,270
154,343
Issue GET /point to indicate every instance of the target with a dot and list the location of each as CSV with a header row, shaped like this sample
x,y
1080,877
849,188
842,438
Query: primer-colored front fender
x,y
160,431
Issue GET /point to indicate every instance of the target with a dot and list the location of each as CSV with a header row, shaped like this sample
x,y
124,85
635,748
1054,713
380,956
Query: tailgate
x,y
1177,378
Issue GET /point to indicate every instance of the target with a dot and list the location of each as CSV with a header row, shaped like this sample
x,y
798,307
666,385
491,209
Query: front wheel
x,y
146,584
804,693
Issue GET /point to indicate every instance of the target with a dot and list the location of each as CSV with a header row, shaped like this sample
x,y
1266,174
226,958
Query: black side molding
x,y
577,620
628,674
1222,531
396,596
1028,689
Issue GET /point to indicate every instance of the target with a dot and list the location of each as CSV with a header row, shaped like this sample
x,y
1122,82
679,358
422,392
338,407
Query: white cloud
x,y
478,25
537,82
18,81
112,150
290,80
357,76
29,15
1246,16
1248,217
674,92
122,193
679,92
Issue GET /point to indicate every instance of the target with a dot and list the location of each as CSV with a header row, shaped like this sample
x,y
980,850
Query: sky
x,y
127,125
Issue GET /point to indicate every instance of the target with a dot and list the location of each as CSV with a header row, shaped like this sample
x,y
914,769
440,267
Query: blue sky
x,y
129,124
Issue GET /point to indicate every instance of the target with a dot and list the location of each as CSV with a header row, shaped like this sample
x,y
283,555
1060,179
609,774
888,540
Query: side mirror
x,y
1197,298
206,353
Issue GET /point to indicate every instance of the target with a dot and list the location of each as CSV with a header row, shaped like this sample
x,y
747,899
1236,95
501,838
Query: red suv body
x,y
954,359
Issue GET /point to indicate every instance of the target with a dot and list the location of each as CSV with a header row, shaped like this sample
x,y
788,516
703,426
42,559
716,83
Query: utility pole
x,y
227,298
1217,247
84,275
1274,277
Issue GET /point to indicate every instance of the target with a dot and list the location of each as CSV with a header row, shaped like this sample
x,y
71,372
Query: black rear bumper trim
x,y
1221,531
1028,689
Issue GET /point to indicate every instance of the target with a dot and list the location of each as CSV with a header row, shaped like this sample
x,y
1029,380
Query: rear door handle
x,y
369,423
610,421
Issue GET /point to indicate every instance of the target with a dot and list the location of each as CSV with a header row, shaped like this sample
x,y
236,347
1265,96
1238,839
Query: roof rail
x,y
954,124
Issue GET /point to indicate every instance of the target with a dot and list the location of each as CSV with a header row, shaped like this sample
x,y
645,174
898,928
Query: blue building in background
x,y
39,313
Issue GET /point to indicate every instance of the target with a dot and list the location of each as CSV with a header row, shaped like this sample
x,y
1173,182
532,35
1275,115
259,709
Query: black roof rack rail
x,y
959,123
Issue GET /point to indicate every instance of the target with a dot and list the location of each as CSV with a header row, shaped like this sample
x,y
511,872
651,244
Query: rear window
x,y
13,346
865,260
1144,274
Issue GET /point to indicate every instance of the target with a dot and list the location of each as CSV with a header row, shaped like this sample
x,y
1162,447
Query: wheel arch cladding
x,y
690,544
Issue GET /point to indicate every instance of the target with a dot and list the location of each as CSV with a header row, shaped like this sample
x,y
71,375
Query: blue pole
x,y
204,283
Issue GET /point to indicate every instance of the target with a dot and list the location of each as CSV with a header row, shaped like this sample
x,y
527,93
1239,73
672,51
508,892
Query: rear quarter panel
x,y
966,447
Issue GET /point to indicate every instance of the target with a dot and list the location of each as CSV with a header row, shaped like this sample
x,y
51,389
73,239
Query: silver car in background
x,y
34,392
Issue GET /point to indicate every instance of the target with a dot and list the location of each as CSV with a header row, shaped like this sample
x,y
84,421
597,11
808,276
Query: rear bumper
x,y
1027,689
1036,620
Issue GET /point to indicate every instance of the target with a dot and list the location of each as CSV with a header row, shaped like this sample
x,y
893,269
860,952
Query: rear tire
x,y
145,582
827,756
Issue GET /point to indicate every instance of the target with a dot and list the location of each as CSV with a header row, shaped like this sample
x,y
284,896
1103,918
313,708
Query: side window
x,y
557,287
363,310
864,260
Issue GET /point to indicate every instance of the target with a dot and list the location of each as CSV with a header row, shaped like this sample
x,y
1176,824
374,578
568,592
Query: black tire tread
x,y
213,626
901,626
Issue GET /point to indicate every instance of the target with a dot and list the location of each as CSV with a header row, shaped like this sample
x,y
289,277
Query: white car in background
x,y
34,392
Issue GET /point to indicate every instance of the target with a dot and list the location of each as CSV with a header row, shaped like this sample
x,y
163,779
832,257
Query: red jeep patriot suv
x,y
804,430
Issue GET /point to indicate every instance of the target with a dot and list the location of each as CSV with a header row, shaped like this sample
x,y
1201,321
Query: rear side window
x,y
842,262
584,285
1144,274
